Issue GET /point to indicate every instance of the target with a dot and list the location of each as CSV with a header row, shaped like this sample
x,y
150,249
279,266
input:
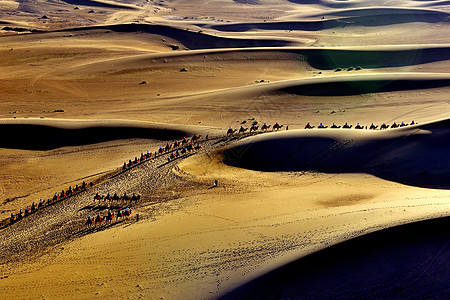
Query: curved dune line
x,y
101,4
337,85
317,57
382,19
406,261
377,10
414,155
190,39
36,134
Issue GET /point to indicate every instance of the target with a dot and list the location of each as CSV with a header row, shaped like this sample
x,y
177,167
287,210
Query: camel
x,y
89,221
230,131
265,127
277,126
242,130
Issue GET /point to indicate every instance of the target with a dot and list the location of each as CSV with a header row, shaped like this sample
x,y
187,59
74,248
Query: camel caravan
x,y
358,126
42,203
108,218
177,149
276,127
254,128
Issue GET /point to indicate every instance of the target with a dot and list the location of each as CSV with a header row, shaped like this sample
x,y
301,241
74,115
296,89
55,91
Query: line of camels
x,y
255,128
178,148
358,126
276,127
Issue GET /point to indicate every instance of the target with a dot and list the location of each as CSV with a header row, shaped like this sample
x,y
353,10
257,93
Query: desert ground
x,y
86,85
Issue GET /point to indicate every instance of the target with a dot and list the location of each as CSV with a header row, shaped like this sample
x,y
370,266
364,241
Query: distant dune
x,y
378,18
341,85
101,4
190,39
322,58
414,155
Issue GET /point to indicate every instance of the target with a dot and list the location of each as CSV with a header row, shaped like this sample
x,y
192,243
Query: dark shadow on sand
x,y
43,137
190,39
418,159
331,59
406,262
358,87
93,3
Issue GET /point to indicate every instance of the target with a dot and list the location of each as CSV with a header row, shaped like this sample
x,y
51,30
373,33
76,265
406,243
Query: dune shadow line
x,y
406,262
43,137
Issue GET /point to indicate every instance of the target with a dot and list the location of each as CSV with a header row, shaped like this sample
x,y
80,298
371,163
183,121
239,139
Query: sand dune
x,y
51,134
415,155
100,4
391,261
371,19
190,39
321,58
342,85
380,10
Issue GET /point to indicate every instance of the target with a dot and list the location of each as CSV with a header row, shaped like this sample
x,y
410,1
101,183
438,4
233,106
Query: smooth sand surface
x,y
88,85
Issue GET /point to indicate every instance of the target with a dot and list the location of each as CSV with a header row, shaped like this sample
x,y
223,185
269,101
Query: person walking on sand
x,y
215,183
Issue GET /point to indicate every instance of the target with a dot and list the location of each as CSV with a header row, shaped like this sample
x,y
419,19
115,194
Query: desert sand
x,y
318,213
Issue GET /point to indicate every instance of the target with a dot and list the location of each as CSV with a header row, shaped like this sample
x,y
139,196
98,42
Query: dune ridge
x,y
100,4
340,85
383,18
414,155
322,58
335,272
36,134
190,39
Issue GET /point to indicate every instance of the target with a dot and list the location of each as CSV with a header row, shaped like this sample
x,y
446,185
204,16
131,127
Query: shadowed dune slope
x,y
413,155
327,59
190,39
376,11
35,136
357,87
405,262
100,4
318,58
386,19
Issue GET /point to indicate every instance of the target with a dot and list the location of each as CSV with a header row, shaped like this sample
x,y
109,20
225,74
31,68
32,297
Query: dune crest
x,y
51,134
414,155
